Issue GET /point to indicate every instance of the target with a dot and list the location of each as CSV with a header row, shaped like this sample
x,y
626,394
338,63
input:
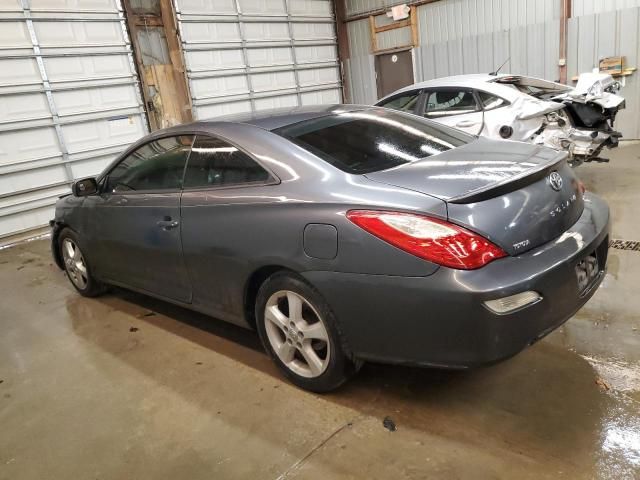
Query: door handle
x,y
466,123
167,223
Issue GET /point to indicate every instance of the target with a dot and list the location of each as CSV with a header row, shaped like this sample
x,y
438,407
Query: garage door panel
x,y
312,31
206,7
211,60
316,54
311,7
321,97
30,144
319,76
264,57
30,179
16,71
92,166
14,108
215,87
51,34
273,81
276,102
69,103
95,99
266,31
27,219
93,5
270,7
267,56
60,69
14,34
207,32
215,110
103,132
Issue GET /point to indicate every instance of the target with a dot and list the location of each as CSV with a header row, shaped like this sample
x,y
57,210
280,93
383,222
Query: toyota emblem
x,y
555,180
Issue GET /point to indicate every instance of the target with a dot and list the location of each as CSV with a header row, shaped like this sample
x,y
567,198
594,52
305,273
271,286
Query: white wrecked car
x,y
578,120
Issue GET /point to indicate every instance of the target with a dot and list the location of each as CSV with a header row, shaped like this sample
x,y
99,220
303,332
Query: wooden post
x,y
164,84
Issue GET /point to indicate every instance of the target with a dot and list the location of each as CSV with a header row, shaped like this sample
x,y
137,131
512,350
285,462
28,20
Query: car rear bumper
x,y
440,320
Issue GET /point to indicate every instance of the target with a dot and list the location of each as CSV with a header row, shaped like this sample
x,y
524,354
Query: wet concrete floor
x,y
126,387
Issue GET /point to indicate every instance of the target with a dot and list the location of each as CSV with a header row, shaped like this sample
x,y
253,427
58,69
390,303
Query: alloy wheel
x,y
74,263
297,333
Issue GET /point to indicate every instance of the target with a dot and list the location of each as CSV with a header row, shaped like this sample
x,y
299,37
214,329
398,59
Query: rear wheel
x,y
299,331
76,266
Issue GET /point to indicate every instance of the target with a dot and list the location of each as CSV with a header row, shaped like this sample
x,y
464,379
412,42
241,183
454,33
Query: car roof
x,y
483,81
281,117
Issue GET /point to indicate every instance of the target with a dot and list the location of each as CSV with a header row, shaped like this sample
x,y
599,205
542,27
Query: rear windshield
x,y
368,141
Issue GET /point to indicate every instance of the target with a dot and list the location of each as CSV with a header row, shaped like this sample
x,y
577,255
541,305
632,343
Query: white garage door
x,y
69,101
247,55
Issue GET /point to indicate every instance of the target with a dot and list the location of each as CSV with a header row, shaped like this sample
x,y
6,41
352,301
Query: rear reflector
x,y
433,239
505,305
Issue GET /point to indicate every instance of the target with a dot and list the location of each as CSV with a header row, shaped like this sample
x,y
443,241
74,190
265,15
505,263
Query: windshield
x,y
368,141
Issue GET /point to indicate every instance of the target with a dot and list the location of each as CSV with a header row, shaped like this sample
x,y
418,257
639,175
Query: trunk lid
x,y
501,190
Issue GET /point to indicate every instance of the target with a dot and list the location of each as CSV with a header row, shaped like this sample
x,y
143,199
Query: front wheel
x,y
76,266
299,331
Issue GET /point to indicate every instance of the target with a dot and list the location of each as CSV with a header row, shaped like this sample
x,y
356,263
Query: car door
x,y
225,190
137,219
454,106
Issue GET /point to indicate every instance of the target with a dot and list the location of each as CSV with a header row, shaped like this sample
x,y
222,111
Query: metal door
x,y
139,244
393,71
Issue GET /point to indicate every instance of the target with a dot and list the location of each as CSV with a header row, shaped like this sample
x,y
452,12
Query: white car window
x,y
489,102
450,102
406,103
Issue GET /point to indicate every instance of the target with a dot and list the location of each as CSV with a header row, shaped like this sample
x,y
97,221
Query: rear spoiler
x,y
511,184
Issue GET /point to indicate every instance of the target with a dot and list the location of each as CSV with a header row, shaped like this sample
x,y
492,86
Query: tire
x,y
75,265
292,338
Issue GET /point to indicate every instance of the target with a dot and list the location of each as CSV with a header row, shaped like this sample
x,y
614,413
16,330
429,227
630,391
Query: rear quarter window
x,y
368,141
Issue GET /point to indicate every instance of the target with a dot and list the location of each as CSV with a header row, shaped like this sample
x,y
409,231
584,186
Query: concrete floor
x,y
127,387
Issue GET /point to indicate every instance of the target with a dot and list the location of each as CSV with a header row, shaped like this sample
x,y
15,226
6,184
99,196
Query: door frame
x,y
388,51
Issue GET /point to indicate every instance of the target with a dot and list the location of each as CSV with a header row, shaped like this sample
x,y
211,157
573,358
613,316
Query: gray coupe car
x,y
343,234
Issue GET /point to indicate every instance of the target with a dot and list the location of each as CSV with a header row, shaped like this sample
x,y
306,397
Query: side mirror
x,y
85,187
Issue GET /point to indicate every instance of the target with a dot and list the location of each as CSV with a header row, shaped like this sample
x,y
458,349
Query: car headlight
x,y
596,90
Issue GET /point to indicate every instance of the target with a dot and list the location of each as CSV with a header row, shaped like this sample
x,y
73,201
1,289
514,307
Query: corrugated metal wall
x,y
360,70
69,101
467,36
456,19
244,55
613,33
528,50
356,7
590,7
473,16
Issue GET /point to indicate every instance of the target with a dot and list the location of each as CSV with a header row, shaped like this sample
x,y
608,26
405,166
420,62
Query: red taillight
x,y
435,240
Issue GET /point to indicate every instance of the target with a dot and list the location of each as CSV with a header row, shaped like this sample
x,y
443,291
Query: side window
x,y
214,162
406,103
157,165
489,102
449,102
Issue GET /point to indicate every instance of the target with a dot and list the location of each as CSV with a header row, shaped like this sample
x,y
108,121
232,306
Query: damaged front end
x,y
579,120
592,107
